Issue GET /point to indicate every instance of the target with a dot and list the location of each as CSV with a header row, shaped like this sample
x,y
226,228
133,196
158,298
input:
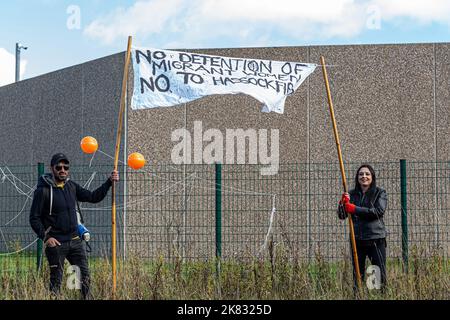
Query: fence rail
x,y
199,211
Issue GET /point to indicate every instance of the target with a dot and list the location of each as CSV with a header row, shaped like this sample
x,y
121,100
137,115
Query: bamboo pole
x,y
116,162
341,164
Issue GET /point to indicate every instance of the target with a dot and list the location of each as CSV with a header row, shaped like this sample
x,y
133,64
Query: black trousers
x,y
75,252
375,250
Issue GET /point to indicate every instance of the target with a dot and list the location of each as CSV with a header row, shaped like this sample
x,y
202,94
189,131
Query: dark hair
x,y
372,172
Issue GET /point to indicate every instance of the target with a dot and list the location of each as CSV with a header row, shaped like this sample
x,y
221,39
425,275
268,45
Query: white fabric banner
x,y
164,78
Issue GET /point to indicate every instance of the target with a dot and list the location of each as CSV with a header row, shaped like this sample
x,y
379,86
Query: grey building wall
x,y
391,102
52,112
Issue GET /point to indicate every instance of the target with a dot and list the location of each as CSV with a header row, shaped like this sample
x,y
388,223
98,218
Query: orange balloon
x,y
136,160
89,144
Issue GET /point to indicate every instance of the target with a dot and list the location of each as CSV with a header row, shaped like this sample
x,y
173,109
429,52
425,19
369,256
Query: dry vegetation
x,y
278,276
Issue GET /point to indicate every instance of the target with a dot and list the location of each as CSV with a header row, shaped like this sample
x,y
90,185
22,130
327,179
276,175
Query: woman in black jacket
x,y
366,204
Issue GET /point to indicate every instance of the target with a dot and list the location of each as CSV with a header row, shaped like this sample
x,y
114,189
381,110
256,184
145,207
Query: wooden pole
x,y
116,162
341,164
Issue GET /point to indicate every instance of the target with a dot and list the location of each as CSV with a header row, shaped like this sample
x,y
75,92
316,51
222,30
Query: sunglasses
x,y
59,168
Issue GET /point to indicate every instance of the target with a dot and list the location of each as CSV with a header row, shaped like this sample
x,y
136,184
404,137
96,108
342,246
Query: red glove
x,y
345,198
350,208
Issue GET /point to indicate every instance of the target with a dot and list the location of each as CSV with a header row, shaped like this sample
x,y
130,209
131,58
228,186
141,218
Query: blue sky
x,y
62,33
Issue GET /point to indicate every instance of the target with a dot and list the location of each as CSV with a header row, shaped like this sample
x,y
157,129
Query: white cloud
x,y
274,11
198,23
301,19
143,17
8,67
424,11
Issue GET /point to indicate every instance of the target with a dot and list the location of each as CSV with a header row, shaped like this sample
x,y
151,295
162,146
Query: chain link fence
x,y
196,212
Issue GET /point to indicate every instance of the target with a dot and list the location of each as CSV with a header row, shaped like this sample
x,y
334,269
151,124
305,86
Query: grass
x,y
279,276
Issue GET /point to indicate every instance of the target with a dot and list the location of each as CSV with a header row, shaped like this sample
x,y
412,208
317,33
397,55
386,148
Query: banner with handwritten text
x,y
164,78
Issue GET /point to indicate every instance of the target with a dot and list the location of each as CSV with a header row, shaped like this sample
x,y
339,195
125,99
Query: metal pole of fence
x,y
218,188
40,242
404,214
218,169
184,186
309,215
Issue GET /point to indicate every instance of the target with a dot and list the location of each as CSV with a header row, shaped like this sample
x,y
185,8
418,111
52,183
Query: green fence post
x,y
218,210
218,169
404,214
40,243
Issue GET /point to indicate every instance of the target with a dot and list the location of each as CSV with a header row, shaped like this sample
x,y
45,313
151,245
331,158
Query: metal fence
x,y
199,211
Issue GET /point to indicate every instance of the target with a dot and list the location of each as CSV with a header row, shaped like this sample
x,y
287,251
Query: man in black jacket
x,y
54,219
